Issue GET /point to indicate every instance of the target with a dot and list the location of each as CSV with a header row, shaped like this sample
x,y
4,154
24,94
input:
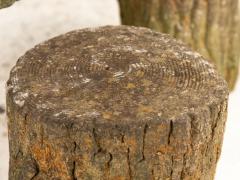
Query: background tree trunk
x,y
210,27
6,3
115,103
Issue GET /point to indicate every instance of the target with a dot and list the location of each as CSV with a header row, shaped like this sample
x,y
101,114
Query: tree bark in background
x,y
6,3
210,27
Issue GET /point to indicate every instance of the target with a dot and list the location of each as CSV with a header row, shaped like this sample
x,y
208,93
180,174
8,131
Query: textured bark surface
x,y
6,3
115,103
210,27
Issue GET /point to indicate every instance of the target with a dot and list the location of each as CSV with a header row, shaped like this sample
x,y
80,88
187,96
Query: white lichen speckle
x,y
79,115
141,51
55,89
92,114
42,106
101,38
19,98
86,80
64,112
136,66
15,87
194,54
15,68
118,74
57,114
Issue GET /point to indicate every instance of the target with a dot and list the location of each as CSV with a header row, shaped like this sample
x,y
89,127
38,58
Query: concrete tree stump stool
x,y
115,103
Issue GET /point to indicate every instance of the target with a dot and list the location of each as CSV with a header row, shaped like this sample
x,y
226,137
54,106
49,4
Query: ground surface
x,y
29,22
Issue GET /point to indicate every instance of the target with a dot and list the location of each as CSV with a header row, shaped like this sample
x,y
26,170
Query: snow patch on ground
x,y
229,164
30,22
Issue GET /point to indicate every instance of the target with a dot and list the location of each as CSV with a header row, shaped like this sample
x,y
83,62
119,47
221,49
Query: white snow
x,y
29,22
229,164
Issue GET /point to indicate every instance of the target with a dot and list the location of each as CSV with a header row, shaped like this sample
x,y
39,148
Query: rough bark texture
x,y
6,3
211,27
114,103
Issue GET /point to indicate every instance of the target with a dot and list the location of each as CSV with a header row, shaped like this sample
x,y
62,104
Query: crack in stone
x,y
74,146
99,149
171,173
215,123
129,164
42,135
192,128
108,165
73,171
36,166
170,131
184,165
19,153
122,138
143,143
152,172
74,162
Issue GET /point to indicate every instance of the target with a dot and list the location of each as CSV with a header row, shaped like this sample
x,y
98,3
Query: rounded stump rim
x,y
114,75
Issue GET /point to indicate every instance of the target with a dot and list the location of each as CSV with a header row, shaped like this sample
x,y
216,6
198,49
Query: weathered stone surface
x,y
115,103
6,3
209,27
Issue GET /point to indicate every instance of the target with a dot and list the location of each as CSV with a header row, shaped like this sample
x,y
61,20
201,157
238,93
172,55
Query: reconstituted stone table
x,y
115,103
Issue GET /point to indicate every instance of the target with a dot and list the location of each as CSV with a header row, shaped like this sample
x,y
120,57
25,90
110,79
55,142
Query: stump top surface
x,y
113,74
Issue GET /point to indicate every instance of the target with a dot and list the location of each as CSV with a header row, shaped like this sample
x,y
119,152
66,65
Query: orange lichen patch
x,y
132,144
116,113
142,109
111,80
139,73
146,82
164,149
146,109
85,168
87,141
83,165
130,86
107,115
50,159
118,178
